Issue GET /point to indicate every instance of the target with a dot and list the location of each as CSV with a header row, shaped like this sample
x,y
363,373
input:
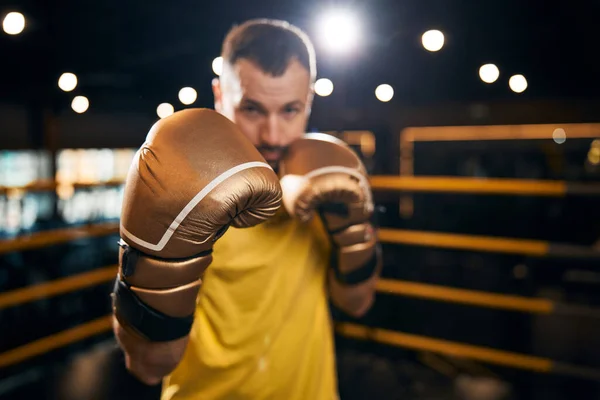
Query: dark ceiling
x,y
134,54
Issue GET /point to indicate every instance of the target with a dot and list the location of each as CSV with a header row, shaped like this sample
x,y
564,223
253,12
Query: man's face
x,y
271,111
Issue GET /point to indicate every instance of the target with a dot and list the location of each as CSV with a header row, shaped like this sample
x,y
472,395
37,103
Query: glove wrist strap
x,y
358,275
144,320
156,297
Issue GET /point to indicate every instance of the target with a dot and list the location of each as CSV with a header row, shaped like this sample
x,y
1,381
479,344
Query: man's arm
x,y
322,175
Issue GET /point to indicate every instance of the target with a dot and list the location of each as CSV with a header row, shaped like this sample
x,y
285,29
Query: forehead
x,y
292,85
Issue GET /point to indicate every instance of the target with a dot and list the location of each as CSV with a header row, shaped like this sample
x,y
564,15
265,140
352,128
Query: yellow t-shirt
x,y
263,328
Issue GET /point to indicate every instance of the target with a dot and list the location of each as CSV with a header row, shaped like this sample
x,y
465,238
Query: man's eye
x,y
250,109
291,110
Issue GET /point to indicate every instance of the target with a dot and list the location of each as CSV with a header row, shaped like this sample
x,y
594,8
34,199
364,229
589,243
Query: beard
x,y
272,155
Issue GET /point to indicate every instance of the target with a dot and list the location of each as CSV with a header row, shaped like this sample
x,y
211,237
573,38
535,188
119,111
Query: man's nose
x,y
270,131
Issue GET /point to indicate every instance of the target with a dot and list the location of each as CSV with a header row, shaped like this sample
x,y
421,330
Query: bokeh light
x,y
433,40
217,66
67,81
559,135
80,104
489,73
164,110
384,93
517,83
339,30
594,153
13,23
187,95
323,87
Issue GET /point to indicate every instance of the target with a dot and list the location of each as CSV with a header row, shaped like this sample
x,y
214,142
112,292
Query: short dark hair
x,y
271,44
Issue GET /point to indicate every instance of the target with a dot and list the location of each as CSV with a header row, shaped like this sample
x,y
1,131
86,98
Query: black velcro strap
x,y
148,322
361,274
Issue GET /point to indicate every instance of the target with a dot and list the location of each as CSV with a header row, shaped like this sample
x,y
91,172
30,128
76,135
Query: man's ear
x,y
309,100
216,87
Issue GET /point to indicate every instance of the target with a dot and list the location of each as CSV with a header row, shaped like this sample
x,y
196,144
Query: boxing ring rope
x,y
417,342
497,132
488,186
48,185
463,296
59,286
37,186
456,349
527,247
478,298
409,136
56,341
53,237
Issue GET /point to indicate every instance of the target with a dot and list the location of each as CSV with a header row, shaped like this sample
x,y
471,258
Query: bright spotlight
x,y
217,66
164,110
433,40
323,87
80,104
559,135
187,95
517,83
67,81
384,93
340,30
13,23
489,73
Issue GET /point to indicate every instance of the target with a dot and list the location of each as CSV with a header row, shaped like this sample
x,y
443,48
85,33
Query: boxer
x,y
261,325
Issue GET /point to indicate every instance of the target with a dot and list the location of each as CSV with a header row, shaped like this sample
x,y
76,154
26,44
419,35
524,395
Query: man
x,y
262,328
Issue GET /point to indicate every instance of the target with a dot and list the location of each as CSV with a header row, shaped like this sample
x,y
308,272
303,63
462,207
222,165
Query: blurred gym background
x,y
478,120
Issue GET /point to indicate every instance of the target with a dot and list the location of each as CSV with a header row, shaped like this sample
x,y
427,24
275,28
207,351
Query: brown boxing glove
x,y
195,175
321,174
